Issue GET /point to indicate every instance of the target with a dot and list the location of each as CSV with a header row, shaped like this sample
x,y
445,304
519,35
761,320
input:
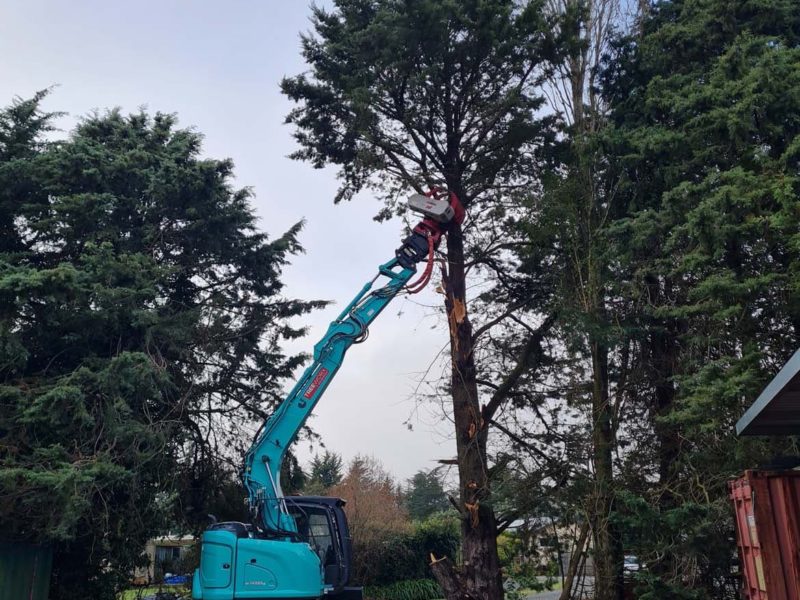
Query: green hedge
x,y
405,557
415,589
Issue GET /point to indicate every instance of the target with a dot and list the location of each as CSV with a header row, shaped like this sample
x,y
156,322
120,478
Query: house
x,y
166,554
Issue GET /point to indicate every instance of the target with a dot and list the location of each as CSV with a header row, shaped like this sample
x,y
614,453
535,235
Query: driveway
x,y
545,596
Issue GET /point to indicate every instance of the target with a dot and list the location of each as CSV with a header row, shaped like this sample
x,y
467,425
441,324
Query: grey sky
x,y
217,65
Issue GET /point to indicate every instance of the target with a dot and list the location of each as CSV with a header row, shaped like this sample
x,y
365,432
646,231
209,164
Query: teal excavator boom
x,y
299,547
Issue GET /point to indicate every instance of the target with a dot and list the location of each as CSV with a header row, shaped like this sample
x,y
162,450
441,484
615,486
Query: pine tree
x,y
140,326
425,495
411,95
706,132
326,470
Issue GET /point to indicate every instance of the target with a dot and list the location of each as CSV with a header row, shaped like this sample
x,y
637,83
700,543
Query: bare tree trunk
x,y
663,350
575,562
642,13
479,576
607,548
450,580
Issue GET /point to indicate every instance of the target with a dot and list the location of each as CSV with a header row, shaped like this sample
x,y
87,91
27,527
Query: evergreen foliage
x,y
326,470
403,556
668,240
425,495
140,320
413,94
705,130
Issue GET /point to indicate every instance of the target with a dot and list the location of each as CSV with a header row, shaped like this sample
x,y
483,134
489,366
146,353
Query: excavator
x,y
299,547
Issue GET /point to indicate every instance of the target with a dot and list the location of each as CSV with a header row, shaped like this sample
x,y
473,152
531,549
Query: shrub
x,y
381,560
414,589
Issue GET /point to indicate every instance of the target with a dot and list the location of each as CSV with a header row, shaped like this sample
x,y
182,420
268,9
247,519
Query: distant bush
x,y
416,589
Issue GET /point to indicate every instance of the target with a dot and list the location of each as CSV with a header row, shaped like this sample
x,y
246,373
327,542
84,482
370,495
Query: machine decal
x,y
318,379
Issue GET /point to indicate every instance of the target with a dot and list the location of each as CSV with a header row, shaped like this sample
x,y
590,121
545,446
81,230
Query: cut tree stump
x,y
449,579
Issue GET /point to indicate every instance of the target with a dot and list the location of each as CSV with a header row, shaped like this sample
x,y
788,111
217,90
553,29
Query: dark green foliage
x,y
293,478
425,495
326,470
414,589
224,497
669,240
699,533
406,556
706,131
138,307
406,94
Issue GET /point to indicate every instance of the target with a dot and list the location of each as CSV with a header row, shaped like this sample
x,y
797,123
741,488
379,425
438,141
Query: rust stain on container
x,y
767,507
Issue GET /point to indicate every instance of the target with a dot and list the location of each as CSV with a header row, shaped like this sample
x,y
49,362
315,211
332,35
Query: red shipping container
x,y
767,506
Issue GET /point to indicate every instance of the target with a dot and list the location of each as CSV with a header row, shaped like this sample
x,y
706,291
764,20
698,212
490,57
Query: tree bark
x,y
608,579
449,579
480,575
662,352
574,562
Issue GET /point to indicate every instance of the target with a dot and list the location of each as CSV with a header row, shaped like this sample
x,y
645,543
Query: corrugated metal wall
x,y
767,507
24,571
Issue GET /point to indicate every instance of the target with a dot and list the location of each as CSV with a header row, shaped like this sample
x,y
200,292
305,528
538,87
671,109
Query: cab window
x,y
314,527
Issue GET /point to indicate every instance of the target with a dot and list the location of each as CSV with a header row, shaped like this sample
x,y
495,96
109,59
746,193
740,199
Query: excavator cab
x,y
322,524
239,561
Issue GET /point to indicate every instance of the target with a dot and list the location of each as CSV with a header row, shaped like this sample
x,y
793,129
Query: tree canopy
x,y
408,96
326,469
142,315
425,495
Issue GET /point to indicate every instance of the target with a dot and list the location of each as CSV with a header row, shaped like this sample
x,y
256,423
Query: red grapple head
x,y
440,213
436,207
458,209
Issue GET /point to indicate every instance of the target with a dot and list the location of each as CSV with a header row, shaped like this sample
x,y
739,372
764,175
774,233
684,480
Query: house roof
x,y
777,410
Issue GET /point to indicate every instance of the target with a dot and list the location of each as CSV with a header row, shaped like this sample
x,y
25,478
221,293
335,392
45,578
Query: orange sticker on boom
x,y
318,379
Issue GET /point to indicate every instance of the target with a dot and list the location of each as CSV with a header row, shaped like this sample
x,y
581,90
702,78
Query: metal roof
x,y
777,410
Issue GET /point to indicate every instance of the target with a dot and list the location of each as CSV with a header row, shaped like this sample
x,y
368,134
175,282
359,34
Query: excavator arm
x,y
273,558
263,461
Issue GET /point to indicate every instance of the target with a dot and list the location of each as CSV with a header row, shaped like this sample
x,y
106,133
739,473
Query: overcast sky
x,y
218,65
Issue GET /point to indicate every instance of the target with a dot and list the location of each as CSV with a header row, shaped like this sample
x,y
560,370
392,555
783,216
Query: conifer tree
x,y
406,96
326,470
425,495
141,314
706,126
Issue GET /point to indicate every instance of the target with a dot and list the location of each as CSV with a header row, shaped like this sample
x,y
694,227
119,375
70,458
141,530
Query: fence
x,y
25,571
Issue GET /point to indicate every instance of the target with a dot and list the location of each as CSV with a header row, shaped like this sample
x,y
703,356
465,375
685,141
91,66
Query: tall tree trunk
x,y
591,23
662,347
663,355
480,576
607,547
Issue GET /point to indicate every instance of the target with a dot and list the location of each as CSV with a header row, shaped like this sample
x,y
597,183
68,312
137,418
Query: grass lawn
x,y
526,592
135,593
140,592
